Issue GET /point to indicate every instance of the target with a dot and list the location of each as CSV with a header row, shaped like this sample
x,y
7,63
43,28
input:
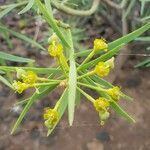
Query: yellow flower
x,y
55,50
19,86
51,117
100,44
102,69
101,104
29,77
114,92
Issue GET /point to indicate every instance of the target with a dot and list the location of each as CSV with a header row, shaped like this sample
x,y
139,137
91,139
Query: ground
x,y
86,133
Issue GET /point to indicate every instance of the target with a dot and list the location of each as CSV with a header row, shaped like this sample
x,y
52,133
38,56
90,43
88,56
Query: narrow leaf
x,y
123,40
34,69
49,18
6,11
36,96
22,37
72,81
10,57
129,37
104,57
3,80
121,112
27,8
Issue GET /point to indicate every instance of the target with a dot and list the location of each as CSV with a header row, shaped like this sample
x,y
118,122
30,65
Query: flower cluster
x,y
27,79
100,45
102,105
55,50
114,92
51,117
20,86
92,79
102,69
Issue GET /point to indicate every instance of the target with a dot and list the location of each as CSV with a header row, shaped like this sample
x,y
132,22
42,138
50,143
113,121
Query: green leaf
x,y
61,109
6,56
48,6
114,105
50,20
34,69
3,80
129,9
123,40
143,63
148,65
104,57
109,85
36,96
145,18
6,37
9,9
22,37
121,112
143,39
129,37
2,72
102,81
6,11
72,80
78,97
83,53
143,2
28,7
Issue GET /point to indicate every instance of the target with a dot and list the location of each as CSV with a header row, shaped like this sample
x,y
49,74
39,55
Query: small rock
x,y
103,136
35,133
133,82
95,145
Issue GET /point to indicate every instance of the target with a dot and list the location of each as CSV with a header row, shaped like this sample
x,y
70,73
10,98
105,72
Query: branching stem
x,y
72,11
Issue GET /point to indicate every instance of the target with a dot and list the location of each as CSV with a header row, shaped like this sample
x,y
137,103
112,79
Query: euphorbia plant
x,y
71,74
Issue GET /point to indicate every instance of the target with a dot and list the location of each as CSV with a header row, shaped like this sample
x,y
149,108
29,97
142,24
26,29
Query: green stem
x,y
49,80
51,21
92,87
58,102
87,59
62,67
43,84
85,75
72,11
91,99
22,102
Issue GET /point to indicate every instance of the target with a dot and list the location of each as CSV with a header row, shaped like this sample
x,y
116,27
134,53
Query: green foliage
x,y
5,56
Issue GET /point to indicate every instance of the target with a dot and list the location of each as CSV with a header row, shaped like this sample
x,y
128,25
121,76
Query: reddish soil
x,y
116,134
